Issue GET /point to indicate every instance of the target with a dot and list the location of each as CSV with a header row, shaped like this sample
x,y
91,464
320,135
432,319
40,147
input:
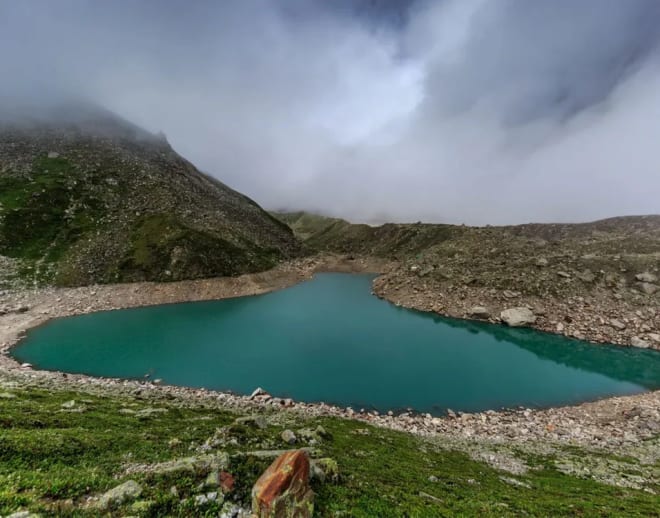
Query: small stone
x,y
231,510
201,500
586,276
226,482
565,275
430,497
541,262
149,411
617,324
325,470
288,437
254,421
636,341
53,154
129,490
212,479
515,482
539,311
321,432
258,392
69,404
200,464
479,312
647,287
433,478
646,277
516,317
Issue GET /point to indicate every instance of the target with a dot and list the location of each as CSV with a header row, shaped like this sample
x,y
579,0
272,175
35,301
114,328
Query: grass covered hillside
x,y
86,197
62,451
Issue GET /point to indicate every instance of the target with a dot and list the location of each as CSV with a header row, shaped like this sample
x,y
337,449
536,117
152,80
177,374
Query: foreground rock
x,y
283,489
517,317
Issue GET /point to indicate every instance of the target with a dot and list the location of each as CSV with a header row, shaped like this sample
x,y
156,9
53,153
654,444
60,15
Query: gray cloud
x,y
476,111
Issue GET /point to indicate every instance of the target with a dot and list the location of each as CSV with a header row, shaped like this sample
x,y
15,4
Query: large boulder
x,y
283,489
517,317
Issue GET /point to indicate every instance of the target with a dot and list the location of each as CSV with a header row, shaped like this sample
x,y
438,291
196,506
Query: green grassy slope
x,y
53,458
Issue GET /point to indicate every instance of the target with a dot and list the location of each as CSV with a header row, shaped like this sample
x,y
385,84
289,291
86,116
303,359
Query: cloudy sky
x,y
463,111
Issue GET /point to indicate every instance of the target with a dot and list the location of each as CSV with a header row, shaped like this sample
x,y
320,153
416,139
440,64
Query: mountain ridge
x,y
92,198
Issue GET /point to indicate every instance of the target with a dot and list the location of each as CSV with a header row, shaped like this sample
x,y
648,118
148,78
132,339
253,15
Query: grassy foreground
x,y
54,457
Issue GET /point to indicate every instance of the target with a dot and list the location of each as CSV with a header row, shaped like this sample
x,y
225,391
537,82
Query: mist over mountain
x,y
468,111
88,197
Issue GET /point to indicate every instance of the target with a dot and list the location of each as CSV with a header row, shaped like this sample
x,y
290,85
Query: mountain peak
x,y
86,197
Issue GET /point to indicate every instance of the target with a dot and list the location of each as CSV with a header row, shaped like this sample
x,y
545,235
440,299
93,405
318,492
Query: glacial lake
x,y
330,339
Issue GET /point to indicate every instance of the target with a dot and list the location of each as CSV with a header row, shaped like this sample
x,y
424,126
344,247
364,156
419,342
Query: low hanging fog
x,y
461,111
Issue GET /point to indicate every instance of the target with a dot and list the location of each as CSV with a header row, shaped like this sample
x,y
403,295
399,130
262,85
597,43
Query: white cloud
x,y
474,111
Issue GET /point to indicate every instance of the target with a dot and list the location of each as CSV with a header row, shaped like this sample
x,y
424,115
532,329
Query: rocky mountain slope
x,y
597,280
87,197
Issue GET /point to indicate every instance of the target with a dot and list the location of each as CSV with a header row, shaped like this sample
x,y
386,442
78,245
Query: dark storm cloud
x,y
483,111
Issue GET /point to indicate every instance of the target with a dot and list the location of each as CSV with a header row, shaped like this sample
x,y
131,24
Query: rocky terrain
x,y
594,281
86,197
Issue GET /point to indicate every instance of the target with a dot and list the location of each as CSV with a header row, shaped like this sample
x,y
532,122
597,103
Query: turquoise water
x,y
330,340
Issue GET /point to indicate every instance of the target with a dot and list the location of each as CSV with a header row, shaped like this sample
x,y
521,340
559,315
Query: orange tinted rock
x,y
283,489
226,482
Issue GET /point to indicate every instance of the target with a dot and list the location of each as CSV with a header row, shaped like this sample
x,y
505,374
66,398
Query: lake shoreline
x,y
606,423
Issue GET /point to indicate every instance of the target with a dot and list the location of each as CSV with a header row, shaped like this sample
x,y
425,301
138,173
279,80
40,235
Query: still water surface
x,y
330,340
